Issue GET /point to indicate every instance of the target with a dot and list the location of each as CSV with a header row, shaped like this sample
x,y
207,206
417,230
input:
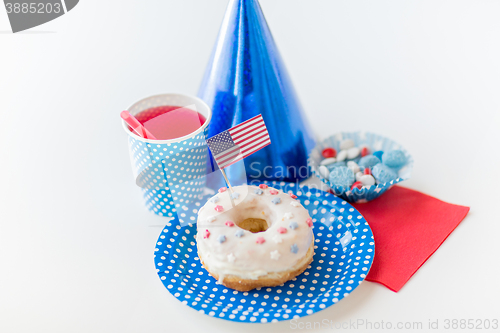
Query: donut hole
x,y
253,225
253,215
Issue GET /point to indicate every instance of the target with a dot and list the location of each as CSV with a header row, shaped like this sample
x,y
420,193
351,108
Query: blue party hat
x,y
246,77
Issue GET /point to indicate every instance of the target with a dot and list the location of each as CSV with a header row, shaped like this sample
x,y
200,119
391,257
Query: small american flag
x,y
236,143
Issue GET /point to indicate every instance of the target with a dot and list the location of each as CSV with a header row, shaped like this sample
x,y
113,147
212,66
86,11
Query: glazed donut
x,y
264,240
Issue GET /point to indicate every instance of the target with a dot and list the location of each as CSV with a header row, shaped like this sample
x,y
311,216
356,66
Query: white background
x,y
76,244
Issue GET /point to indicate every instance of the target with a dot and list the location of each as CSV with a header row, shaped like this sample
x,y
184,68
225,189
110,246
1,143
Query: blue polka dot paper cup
x,y
374,143
171,173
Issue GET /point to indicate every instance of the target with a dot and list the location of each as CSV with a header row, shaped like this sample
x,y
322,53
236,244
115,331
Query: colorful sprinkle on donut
x,y
273,192
219,208
231,257
206,234
294,248
260,240
281,230
239,233
275,255
214,199
258,191
276,201
277,239
294,204
309,222
293,225
263,186
235,195
222,189
221,239
230,223
210,219
288,215
293,196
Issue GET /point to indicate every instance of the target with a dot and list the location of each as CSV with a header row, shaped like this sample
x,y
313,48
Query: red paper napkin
x,y
408,227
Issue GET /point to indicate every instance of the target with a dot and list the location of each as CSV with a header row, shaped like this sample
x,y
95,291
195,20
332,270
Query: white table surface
x,y
76,244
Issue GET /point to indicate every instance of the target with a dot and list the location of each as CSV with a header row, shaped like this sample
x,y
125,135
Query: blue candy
x,y
221,239
276,201
294,248
368,161
356,159
342,176
395,159
383,173
239,233
258,191
378,154
293,225
235,195
336,165
214,199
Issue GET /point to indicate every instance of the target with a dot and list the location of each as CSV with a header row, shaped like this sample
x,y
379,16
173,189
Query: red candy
x,y
263,186
260,240
222,189
230,223
273,192
364,152
293,196
219,208
281,230
309,222
329,152
356,185
368,171
206,234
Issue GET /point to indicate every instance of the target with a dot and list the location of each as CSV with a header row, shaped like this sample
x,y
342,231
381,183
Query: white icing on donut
x,y
246,254
277,239
275,255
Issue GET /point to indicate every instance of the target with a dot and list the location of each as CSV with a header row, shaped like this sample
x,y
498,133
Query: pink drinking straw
x,y
136,125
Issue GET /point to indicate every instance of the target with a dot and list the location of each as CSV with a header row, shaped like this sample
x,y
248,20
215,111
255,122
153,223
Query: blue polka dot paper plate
x,y
343,255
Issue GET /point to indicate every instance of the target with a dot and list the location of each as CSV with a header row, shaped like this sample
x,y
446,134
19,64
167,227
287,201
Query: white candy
x,y
358,176
353,152
353,166
329,160
342,155
367,180
323,170
346,144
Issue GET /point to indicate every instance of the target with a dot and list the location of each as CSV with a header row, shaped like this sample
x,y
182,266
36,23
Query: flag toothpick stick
x,y
227,181
230,188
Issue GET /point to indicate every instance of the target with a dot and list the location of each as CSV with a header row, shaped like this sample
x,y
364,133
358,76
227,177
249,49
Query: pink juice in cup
x,y
170,122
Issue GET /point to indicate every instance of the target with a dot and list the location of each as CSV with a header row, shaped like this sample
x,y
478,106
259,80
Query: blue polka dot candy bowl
x,y
378,146
343,254
171,173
